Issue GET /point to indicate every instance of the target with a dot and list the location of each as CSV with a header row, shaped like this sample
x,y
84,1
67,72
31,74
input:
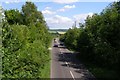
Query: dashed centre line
x,y
72,75
66,63
68,66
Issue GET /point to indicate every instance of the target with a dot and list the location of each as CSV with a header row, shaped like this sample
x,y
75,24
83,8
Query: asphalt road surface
x,y
65,66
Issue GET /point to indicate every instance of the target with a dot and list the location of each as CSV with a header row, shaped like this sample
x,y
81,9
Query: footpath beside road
x,y
64,64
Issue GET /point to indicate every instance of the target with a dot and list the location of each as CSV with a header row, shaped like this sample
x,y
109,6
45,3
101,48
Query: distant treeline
x,y
98,42
25,42
62,30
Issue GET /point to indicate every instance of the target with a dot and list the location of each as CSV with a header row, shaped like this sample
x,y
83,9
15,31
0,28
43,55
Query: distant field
x,y
61,31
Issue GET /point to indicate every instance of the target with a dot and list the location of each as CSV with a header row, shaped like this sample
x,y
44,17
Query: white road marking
x,y
66,63
72,75
68,66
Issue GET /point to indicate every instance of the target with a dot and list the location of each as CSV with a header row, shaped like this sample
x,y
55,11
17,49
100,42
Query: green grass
x,y
46,70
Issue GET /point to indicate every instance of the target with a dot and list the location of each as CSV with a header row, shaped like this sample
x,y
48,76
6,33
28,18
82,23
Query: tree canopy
x,y
25,45
99,40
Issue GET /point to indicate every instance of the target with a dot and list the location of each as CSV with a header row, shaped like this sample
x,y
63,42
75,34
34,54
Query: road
x,y
64,65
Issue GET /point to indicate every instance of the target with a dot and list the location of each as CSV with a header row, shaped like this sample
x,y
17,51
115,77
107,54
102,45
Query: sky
x,y
61,14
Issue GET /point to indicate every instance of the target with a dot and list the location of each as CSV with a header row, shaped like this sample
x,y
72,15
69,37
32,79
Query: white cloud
x,y
81,17
61,10
66,7
60,1
62,22
72,1
48,8
48,12
16,1
13,1
65,1
7,2
58,21
69,7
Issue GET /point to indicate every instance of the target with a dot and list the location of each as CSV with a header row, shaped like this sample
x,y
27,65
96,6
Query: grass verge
x,y
46,70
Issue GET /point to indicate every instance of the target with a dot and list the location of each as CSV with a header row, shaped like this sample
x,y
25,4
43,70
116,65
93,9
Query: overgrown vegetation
x,y
25,42
99,40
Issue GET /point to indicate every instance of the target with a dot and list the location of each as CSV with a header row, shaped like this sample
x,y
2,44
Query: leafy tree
x,y
13,16
31,15
99,40
71,38
25,44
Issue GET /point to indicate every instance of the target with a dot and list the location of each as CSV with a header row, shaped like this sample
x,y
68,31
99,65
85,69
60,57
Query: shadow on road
x,y
74,63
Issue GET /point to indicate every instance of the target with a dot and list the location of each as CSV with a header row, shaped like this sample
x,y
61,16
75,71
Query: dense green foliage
x,y
71,38
13,16
99,40
25,41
